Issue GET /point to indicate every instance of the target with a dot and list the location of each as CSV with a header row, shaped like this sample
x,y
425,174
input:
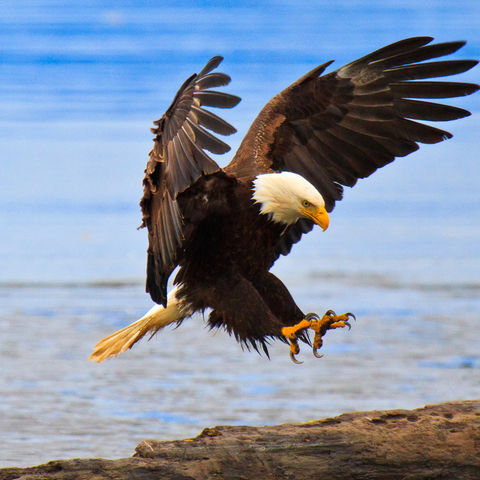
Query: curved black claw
x,y
330,313
294,360
350,314
312,316
315,354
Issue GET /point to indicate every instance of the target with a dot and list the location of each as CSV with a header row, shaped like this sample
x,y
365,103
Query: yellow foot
x,y
319,325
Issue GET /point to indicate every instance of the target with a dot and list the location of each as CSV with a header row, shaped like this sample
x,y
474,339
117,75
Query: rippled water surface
x,y
80,86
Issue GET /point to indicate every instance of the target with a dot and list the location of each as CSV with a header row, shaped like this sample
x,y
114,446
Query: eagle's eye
x,y
306,203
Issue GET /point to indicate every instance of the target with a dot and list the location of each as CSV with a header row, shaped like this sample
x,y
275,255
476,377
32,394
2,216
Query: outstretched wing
x,y
176,162
342,126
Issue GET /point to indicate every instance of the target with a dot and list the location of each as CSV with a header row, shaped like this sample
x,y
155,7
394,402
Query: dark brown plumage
x,y
331,129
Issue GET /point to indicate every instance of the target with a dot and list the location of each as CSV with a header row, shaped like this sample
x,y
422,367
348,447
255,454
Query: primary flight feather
x,y
224,228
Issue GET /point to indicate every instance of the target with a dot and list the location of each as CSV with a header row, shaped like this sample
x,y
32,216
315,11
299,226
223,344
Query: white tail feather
x,y
155,319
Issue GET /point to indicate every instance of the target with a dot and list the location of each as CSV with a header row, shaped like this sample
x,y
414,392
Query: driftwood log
x,y
435,442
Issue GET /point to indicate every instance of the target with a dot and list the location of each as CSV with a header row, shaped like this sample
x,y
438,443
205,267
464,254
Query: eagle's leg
x,y
319,325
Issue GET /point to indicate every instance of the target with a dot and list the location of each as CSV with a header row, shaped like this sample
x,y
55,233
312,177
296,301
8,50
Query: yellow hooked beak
x,y
318,215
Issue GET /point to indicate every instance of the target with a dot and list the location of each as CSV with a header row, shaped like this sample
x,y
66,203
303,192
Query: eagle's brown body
x,y
227,258
330,129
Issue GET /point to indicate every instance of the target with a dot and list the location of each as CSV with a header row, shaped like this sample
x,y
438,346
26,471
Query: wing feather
x,y
205,139
176,162
210,80
211,98
212,64
430,69
212,122
420,54
432,89
341,126
397,48
428,110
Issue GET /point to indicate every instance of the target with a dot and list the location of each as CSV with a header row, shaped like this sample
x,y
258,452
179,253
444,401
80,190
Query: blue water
x,y
80,85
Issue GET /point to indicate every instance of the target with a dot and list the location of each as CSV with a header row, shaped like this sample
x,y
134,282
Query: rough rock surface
x,y
435,442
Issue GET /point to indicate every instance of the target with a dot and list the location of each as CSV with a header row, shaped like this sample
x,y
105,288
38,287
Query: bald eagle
x,y
224,228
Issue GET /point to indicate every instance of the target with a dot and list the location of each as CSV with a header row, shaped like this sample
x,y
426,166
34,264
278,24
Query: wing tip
x,y
213,63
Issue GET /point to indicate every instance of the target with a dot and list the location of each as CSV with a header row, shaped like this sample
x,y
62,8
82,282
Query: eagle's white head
x,y
287,197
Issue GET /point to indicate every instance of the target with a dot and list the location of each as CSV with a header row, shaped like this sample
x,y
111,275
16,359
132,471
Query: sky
x,y
80,84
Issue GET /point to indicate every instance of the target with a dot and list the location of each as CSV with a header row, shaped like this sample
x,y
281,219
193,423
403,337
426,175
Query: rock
x,y
435,442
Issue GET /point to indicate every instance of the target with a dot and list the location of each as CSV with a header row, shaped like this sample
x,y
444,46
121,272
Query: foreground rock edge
x,y
437,441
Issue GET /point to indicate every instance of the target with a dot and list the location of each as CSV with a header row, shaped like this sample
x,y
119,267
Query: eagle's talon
x,y
329,321
316,354
294,360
